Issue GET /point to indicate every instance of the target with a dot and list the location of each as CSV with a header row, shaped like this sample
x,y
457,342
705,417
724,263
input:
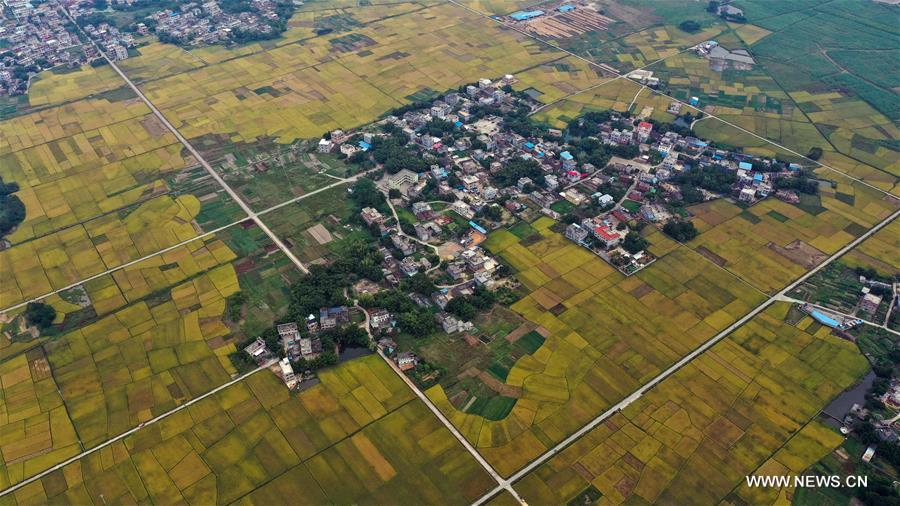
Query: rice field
x,y
341,80
146,338
746,406
608,334
359,436
35,431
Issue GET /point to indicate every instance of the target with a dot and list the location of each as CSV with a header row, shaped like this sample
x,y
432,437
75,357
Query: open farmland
x,y
330,210
156,60
56,86
745,406
148,337
607,334
359,436
753,243
341,80
846,86
35,430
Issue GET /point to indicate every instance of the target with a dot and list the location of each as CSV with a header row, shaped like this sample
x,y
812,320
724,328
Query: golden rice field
x,y
150,337
342,80
35,431
51,88
878,251
559,78
608,335
359,436
745,406
57,260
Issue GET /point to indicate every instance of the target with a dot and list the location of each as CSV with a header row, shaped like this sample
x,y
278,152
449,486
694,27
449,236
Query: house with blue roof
x,y
745,165
365,146
566,8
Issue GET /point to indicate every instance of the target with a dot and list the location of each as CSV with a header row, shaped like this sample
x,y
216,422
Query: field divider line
x,y
502,482
215,175
624,403
182,243
131,431
673,99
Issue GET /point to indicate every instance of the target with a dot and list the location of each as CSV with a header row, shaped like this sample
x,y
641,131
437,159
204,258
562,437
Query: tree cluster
x,y
518,168
714,178
468,306
39,314
12,210
391,151
634,242
801,183
681,231
412,319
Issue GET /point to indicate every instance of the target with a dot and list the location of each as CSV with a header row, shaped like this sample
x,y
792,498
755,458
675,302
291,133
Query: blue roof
x,y
757,177
523,15
457,123
565,155
794,166
478,227
695,100
566,8
529,145
364,145
825,319
700,143
745,165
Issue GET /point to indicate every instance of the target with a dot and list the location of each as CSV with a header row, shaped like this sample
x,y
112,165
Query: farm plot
x,y
607,335
313,227
357,436
344,80
55,86
846,87
729,90
35,430
743,407
772,242
838,286
153,335
35,267
554,80
265,176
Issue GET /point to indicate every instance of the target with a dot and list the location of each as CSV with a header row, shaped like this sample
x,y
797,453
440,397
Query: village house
x,y
330,317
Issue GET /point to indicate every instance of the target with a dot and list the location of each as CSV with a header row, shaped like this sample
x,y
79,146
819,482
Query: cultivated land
x,y
105,183
745,406
592,356
303,90
357,436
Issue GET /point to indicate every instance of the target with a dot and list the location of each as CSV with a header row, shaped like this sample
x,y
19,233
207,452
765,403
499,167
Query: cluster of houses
x,y
297,346
463,167
37,36
204,23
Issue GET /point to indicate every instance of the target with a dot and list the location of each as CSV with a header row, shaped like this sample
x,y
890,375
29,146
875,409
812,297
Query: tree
x,y
419,283
418,323
815,153
681,231
714,178
366,194
689,26
12,210
713,6
39,314
634,242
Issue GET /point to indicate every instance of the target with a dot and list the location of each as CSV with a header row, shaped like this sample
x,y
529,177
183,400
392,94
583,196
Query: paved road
x,y
681,363
130,432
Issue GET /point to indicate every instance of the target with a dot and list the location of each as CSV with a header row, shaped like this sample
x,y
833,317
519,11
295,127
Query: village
x,y
453,169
